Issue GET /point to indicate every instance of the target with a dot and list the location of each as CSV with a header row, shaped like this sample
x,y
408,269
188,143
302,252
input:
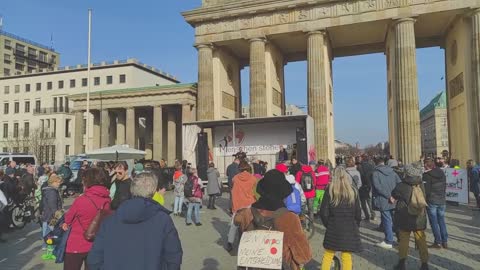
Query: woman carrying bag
x,y
81,214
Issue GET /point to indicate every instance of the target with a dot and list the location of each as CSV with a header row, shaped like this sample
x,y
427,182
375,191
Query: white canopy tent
x,y
116,152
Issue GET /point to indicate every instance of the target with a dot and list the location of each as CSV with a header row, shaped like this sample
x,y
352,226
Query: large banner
x,y
457,185
261,249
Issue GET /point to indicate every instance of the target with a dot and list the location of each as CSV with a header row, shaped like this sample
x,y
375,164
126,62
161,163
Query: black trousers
x,y
366,203
74,261
211,201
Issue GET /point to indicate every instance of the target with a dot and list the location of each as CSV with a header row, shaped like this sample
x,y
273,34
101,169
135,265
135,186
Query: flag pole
x,y
87,135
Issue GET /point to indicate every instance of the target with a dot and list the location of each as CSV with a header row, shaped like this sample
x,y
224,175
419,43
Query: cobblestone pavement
x,y
203,246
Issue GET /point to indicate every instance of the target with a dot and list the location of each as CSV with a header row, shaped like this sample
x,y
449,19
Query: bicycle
x,y
23,212
308,225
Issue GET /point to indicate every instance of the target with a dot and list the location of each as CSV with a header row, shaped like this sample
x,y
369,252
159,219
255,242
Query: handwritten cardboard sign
x,y
261,249
457,185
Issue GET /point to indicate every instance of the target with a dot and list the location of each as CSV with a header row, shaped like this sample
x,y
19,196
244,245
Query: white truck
x,y
260,138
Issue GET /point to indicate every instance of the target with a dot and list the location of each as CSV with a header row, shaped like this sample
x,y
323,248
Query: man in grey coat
x,y
384,180
213,186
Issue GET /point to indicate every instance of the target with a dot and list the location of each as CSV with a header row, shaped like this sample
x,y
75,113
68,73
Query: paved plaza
x,y
203,246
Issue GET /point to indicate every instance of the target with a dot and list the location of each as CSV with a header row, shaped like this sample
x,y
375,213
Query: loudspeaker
x,y
302,152
202,155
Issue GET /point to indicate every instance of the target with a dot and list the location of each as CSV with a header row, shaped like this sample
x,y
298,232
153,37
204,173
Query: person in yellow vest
x,y
161,189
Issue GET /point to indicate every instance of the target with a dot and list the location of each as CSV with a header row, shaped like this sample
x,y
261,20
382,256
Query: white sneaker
x,y
384,245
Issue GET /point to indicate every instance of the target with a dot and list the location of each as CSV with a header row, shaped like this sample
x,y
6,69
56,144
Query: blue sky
x,y
155,33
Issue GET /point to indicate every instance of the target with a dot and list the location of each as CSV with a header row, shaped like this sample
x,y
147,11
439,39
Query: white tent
x,y
116,152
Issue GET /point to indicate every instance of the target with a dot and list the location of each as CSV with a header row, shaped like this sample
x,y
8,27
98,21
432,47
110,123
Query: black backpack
x,y
188,189
306,181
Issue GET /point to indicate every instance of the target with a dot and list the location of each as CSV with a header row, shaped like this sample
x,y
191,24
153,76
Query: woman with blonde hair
x,y
341,215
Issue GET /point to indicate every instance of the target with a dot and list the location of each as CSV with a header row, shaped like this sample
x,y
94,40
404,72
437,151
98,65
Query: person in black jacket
x,y
49,204
435,190
366,169
341,215
410,214
122,185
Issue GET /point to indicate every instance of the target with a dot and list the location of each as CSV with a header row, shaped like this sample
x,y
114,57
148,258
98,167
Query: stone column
x,y
205,95
157,132
317,91
258,78
120,127
78,135
475,21
406,82
96,130
131,127
105,126
171,136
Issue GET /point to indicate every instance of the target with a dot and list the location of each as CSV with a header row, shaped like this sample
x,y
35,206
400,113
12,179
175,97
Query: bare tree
x,y
35,142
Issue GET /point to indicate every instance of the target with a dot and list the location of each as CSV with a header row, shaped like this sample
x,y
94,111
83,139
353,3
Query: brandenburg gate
x,y
267,34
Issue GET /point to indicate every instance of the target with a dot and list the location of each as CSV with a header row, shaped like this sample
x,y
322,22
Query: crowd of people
x,y
117,201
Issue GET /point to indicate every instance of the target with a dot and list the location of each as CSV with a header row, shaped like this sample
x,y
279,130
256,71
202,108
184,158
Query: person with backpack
x,y
296,200
270,213
306,178
323,178
51,202
384,180
341,214
352,171
179,180
411,215
435,182
81,214
193,193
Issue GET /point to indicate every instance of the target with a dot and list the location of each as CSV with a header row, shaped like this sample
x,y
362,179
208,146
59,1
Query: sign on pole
x,y
261,249
457,185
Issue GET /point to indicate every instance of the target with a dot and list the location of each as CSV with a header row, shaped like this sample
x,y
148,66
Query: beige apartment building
x,y
434,126
19,55
37,105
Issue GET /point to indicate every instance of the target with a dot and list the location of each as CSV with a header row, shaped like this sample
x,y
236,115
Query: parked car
x,y
20,158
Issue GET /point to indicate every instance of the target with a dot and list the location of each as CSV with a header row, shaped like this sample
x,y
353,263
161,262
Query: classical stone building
x,y
290,109
266,35
434,126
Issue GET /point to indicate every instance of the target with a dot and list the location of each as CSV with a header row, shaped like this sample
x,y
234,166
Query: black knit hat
x,y
274,185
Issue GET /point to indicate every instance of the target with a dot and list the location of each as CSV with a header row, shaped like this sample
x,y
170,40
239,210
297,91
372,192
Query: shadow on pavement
x,y
210,264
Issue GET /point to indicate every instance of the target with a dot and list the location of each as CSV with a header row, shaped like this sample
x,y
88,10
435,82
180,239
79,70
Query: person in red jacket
x,y
306,178
81,214
323,177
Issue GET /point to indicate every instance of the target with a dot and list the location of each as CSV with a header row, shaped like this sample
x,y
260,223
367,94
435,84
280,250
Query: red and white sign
x,y
457,185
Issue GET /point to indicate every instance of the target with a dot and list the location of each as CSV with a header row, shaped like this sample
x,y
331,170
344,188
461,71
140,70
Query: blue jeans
x,y
387,225
45,230
436,215
196,207
177,205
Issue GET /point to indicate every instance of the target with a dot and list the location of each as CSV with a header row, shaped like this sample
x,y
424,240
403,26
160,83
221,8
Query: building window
x,y
5,131
26,150
27,87
8,46
49,85
19,67
54,123
60,104
96,81
123,78
54,104
6,72
39,86
109,79
6,89
84,82
60,84
72,83
15,130
66,105
27,106
84,128
15,149
26,129
17,88
67,150
37,106
16,107
5,108
67,128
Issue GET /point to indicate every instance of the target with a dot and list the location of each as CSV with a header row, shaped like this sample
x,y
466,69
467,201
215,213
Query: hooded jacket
x,y
435,186
291,179
323,177
384,180
403,220
139,235
51,202
81,214
307,169
243,195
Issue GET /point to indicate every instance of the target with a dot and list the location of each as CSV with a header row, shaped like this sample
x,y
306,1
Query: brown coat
x,y
296,249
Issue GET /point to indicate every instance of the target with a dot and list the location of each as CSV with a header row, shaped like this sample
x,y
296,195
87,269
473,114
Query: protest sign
x,y
261,249
457,185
